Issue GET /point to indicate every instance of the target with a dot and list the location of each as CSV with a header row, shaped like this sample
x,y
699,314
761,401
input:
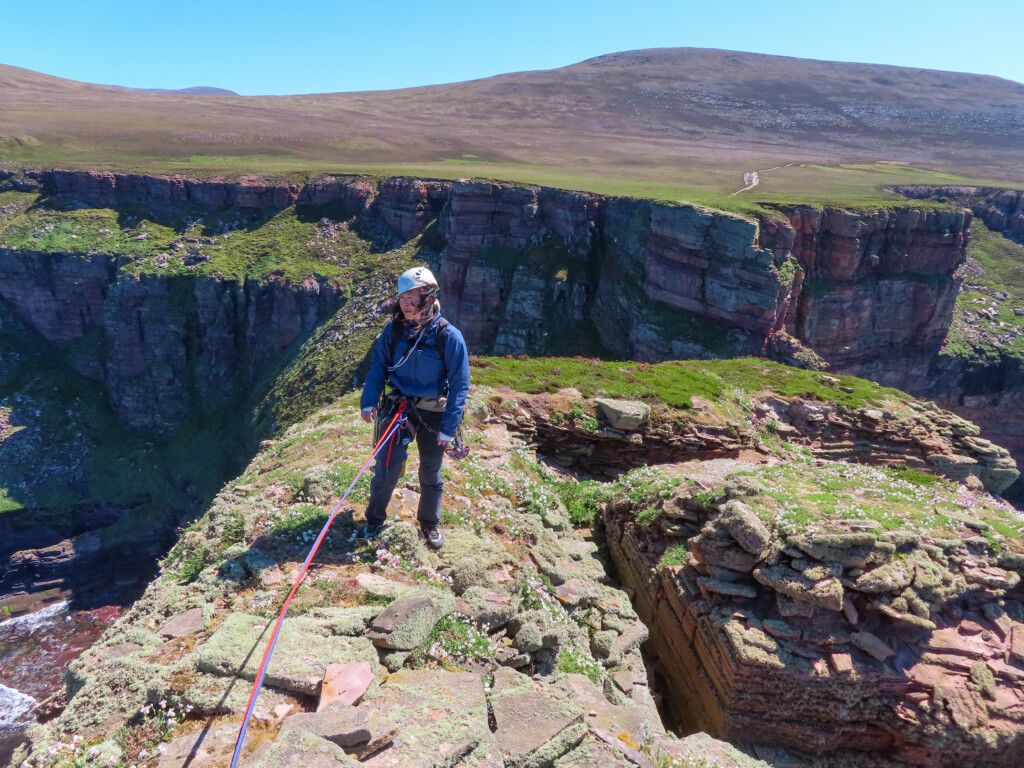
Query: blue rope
x,y
395,424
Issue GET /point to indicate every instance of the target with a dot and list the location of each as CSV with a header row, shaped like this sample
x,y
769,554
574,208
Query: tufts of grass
x,y
676,554
648,516
301,523
193,564
674,383
577,662
582,500
234,530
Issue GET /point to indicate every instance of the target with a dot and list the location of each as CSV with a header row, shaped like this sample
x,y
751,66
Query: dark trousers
x,y
387,472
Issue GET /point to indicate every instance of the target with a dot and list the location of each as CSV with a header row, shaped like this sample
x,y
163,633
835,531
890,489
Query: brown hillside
x,y
640,113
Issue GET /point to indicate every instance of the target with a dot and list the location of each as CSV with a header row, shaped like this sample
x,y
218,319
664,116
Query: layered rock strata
x,y
517,259
988,388
844,645
529,270
167,348
918,435
1002,210
878,289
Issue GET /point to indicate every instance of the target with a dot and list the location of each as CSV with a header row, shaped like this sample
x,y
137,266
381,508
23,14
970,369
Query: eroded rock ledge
x,y
505,649
912,433
839,639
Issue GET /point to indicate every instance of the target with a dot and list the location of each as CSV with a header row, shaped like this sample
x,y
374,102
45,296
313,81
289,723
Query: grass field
x,y
674,124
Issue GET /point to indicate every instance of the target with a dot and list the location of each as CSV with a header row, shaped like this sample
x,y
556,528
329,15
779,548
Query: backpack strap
x,y
440,339
396,334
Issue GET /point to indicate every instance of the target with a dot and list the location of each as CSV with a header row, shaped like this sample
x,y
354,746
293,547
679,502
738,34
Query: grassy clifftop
x,y
291,244
989,317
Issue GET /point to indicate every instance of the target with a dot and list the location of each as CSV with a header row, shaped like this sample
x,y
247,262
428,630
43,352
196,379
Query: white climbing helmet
x,y
417,277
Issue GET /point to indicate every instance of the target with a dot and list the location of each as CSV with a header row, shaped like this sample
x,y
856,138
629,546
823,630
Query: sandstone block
x,y
892,577
441,717
300,749
470,572
187,623
361,731
701,747
746,527
238,644
578,592
205,747
535,724
997,578
486,607
624,414
872,645
601,643
408,621
793,584
851,550
380,586
600,713
708,549
727,588
345,683
632,755
1017,642
592,754
345,621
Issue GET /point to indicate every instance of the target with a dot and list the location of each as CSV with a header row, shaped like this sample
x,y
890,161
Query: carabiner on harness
x,y
457,448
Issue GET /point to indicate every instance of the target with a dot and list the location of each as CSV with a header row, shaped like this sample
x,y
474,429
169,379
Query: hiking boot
x,y
368,531
435,539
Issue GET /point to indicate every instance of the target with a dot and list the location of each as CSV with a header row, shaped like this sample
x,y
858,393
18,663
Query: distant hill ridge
x,y
632,110
201,90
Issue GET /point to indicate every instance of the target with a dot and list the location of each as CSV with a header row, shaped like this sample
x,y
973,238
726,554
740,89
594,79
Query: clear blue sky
x,y
281,47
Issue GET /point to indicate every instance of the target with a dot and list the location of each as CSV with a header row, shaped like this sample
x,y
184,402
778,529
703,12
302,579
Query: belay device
x,y
457,448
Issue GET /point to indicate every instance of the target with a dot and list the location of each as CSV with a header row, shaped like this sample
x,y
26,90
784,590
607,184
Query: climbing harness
x,y
395,422
456,449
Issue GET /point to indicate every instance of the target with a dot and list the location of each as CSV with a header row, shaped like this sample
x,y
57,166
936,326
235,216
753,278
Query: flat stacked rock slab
x,y
441,719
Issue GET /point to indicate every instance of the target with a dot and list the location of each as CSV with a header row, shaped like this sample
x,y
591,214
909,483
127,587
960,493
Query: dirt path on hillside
x,y
753,178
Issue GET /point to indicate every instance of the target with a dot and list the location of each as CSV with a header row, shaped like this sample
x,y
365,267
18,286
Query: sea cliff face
x,y
166,348
527,270
878,287
524,270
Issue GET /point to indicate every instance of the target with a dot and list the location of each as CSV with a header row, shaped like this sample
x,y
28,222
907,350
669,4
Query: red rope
x,y
389,432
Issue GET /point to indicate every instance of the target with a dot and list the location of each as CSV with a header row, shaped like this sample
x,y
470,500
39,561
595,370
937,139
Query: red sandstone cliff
x,y
528,270
169,347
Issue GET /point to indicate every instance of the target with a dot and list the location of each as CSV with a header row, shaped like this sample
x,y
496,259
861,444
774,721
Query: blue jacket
x,y
423,372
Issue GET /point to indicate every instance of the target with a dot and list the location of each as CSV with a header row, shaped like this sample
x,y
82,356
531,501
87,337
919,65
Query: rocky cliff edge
x,y
511,646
